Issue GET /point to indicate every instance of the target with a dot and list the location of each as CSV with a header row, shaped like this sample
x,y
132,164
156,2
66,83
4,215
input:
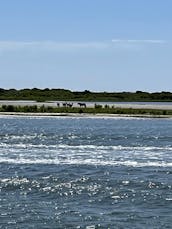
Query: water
x,y
85,173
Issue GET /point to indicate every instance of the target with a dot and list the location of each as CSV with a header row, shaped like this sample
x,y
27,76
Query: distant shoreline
x,y
87,109
132,105
54,94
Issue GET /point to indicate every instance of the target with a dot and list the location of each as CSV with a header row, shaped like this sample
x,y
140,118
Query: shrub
x,y
97,106
10,108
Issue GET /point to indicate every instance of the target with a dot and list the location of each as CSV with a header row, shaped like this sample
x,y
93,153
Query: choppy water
x,y
85,173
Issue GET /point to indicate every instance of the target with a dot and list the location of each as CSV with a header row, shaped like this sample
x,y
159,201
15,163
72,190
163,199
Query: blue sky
x,y
98,45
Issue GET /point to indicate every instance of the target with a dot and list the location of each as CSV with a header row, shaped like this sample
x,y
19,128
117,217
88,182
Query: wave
x,y
71,116
84,147
86,162
115,155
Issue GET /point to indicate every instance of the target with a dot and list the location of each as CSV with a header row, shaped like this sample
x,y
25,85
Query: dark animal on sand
x,y
82,105
69,104
64,104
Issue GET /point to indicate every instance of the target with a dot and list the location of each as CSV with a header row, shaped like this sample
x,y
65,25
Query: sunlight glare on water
x,y
85,172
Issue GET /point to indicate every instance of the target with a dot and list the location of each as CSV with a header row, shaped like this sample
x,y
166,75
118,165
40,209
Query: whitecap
x,y
89,161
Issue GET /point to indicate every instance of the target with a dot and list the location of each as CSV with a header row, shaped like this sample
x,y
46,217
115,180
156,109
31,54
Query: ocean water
x,y
61,172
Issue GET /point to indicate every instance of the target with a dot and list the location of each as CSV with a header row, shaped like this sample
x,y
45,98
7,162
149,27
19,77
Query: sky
x,y
96,45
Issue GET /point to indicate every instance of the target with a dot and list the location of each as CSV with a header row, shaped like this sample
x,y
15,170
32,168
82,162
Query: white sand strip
x,y
145,105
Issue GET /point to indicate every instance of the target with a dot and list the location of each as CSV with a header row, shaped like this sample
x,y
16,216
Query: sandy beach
x,y
146,105
158,106
86,115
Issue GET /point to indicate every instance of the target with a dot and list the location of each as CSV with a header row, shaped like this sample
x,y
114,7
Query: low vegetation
x,y
47,94
96,110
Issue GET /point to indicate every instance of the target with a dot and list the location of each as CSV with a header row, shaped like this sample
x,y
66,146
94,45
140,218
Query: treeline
x,y
47,94
97,109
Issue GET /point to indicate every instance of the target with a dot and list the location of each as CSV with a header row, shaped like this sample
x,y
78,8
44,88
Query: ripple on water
x,y
85,173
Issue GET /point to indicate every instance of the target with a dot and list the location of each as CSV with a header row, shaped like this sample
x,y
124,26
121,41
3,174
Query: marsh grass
x,y
88,110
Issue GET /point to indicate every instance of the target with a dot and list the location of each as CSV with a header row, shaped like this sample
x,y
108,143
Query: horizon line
x,y
91,91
